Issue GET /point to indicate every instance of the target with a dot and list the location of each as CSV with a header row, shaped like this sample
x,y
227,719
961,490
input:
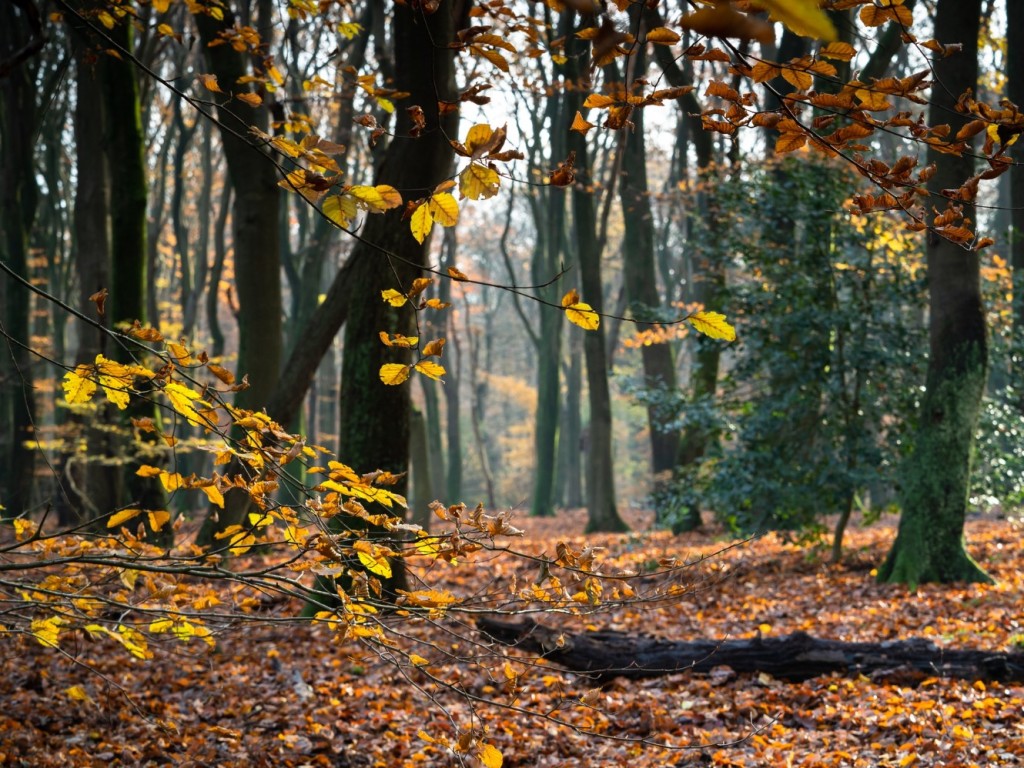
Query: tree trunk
x,y
1015,93
18,200
929,546
602,514
641,281
608,654
374,431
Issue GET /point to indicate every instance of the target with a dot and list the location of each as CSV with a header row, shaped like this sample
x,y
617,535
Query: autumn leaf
x,y
210,83
478,182
444,209
580,313
250,98
47,631
421,223
580,125
373,558
804,17
662,35
430,369
78,385
455,274
393,297
120,518
713,325
183,400
434,348
394,374
490,756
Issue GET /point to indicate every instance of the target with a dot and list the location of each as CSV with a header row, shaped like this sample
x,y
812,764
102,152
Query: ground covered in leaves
x,y
277,693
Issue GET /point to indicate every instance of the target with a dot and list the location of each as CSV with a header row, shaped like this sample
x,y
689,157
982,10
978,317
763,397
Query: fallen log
x,y
608,654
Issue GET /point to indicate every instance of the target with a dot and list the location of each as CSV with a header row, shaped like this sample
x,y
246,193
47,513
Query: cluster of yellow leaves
x,y
468,743
394,374
441,207
342,208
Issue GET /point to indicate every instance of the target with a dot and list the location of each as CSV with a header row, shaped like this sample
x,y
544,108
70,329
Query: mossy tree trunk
x,y
374,429
935,479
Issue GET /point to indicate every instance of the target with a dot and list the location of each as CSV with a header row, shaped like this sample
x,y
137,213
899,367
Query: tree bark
x,y
374,430
18,200
608,654
929,546
602,513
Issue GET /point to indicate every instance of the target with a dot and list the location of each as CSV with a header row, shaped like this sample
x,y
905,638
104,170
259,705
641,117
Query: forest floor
x,y
282,694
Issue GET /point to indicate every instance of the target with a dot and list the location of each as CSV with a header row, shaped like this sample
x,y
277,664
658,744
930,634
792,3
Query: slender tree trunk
x,y
1015,93
602,513
936,478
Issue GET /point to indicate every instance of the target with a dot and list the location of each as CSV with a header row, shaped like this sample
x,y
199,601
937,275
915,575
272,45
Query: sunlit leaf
x,y
158,519
804,17
712,324
373,559
393,297
478,182
662,35
434,348
444,209
78,387
430,369
183,400
394,374
47,631
421,223
120,518
580,125
490,756
580,313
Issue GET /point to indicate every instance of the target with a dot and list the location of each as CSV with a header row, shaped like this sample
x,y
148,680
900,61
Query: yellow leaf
x,y
421,223
418,660
122,517
455,274
399,340
580,313
478,137
340,209
580,125
106,19
393,297
47,631
213,494
349,29
392,197
148,471
182,399
115,380
250,98
478,182
662,35
133,641
430,369
166,30
78,388
804,17
77,693
713,325
160,625
598,101
394,374
22,528
210,83
370,197
444,209
373,559
438,304
159,518
490,756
